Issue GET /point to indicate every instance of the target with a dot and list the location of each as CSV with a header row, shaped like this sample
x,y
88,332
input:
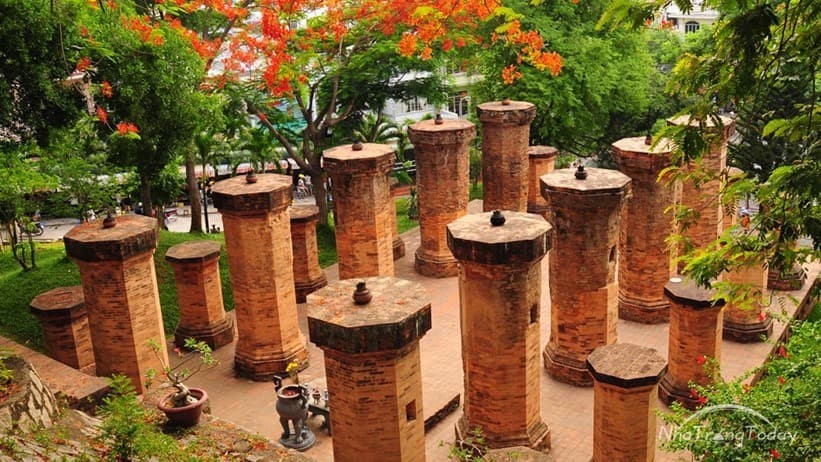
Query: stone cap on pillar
x,y
372,159
542,152
506,112
728,123
686,292
271,191
131,235
523,238
635,154
599,181
447,132
303,213
397,315
59,302
626,365
734,174
193,252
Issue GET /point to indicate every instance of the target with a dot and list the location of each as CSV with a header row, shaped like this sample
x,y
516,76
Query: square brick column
x,y
750,323
500,297
585,210
258,240
625,392
364,223
121,296
695,335
308,276
703,198
440,147
644,256
505,140
398,243
372,366
64,321
541,161
199,294
731,217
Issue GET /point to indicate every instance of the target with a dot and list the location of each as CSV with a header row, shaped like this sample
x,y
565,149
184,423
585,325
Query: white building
x,y
691,21
458,104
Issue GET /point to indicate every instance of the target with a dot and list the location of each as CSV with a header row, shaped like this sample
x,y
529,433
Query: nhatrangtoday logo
x,y
756,427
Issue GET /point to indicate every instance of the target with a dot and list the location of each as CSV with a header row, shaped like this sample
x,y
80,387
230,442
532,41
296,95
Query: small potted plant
x,y
183,407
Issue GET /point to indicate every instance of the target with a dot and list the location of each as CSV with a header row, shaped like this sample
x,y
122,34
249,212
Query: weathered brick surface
x,y
505,138
308,275
64,322
625,393
499,297
440,148
703,198
398,243
751,323
583,287
121,297
541,161
644,257
199,294
258,240
695,335
372,367
361,191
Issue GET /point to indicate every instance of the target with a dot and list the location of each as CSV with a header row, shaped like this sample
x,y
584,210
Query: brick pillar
x,y
704,197
372,367
541,161
499,296
505,138
695,335
440,148
398,243
258,240
199,293
64,321
583,287
644,256
359,182
747,324
731,217
625,392
308,276
121,297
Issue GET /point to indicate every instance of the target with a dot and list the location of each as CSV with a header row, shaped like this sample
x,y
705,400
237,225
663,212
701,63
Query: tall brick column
x,y
364,235
541,161
583,287
695,336
748,324
499,296
731,217
258,240
64,321
505,139
121,297
704,197
308,276
625,392
199,293
644,256
440,147
398,243
372,366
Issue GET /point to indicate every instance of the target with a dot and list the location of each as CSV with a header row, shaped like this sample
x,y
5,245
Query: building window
x,y
690,26
413,105
459,103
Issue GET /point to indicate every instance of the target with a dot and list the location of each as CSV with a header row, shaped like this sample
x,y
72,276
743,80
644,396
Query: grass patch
x,y
402,221
477,191
326,242
815,314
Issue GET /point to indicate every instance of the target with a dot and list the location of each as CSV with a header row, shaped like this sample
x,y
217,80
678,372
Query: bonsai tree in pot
x,y
183,406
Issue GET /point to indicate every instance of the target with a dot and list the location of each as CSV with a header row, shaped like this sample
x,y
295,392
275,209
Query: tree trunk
x,y
11,228
194,194
320,195
145,195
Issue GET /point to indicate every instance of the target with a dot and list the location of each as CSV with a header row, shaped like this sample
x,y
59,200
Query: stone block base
x,y
644,312
398,248
536,437
264,369
305,288
215,336
792,280
748,333
566,370
435,267
668,394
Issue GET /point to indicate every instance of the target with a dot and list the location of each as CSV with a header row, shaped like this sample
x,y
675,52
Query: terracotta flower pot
x,y
185,416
